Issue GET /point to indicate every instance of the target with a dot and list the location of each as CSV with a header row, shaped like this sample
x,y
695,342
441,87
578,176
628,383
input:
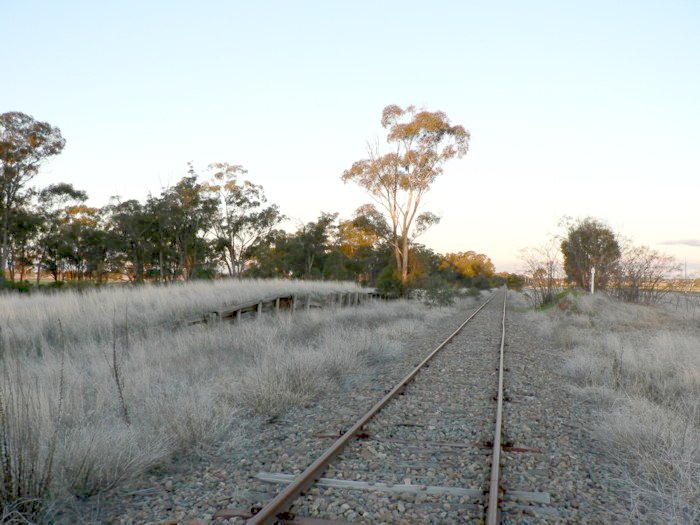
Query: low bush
x,y
438,292
15,286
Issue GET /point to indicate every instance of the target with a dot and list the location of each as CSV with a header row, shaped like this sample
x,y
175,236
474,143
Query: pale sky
x,y
575,108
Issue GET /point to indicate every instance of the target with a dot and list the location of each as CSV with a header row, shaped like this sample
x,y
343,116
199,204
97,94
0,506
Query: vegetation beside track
x,y
641,363
90,402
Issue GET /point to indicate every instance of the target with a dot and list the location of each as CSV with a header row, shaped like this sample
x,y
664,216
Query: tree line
x,y
216,222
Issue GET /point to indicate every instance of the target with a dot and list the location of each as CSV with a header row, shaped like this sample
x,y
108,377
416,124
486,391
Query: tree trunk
x,y
38,270
3,248
139,266
404,258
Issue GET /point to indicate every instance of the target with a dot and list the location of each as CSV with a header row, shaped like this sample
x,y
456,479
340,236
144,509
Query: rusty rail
x,y
281,503
492,510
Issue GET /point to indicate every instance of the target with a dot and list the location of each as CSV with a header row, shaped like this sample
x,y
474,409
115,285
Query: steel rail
x,y
303,481
493,514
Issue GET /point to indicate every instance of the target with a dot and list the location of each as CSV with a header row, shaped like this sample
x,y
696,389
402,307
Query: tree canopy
x,y
217,223
421,143
468,264
24,144
590,243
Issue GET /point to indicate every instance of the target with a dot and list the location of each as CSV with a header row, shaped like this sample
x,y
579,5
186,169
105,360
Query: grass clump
x,y
86,414
643,364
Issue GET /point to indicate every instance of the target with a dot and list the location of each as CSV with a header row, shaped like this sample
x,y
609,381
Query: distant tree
x,y
53,204
132,226
640,274
245,220
308,247
185,213
423,263
422,143
514,281
590,243
25,224
544,268
362,240
468,264
80,228
24,144
270,258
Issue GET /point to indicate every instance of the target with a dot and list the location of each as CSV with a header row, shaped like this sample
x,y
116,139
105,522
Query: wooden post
x,y
259,310
307,304
294,303
277,305
238,316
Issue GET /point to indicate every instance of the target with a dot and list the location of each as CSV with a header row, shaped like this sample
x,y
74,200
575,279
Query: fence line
x,y
277,303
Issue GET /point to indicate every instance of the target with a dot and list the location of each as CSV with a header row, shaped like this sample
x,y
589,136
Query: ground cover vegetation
x,y
89,401
641,364
633,348
215,222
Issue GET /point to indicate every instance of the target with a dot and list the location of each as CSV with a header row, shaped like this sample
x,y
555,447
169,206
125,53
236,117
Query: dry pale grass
x,y
180,389
660,450
31,323
643,364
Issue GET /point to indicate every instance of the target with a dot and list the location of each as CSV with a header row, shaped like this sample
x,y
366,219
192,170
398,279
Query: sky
x,y
574,108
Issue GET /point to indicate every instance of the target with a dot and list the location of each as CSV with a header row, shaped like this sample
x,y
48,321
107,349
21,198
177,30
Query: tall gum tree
x,y
422,142
24,144
244,221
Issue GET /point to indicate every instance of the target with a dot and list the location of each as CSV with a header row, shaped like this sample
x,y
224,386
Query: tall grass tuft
x,y
644,364
27,449
85,413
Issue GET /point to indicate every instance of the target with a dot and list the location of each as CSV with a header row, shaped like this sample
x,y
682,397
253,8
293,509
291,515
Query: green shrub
x,y
16,286
438,292
481,282
515,282
389,284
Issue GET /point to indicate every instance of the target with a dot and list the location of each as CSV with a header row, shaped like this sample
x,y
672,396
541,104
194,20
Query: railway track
x,y
434,440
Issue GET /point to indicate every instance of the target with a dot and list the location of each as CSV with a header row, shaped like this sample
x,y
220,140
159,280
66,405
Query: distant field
x,y
92,395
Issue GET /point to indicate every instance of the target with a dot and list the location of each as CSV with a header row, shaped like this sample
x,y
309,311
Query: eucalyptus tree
x,y
245,219
53,204
468,264
81,227
25,224
132,225
422,142
364,241
185,214
308,247
24,145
